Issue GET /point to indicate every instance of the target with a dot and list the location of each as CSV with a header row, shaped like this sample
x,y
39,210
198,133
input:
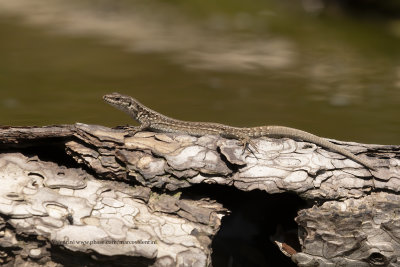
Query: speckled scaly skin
x,y
150,119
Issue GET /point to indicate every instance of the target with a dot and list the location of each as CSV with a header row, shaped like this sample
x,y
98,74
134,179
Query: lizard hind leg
x,y
246,141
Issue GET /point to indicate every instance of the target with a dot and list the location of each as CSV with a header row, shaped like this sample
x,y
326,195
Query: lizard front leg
x,y
142,127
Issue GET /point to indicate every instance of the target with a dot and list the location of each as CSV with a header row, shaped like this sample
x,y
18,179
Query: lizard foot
x,y
138,129
246,141
133,132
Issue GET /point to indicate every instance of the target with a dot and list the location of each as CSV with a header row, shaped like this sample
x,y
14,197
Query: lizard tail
x,y
282,131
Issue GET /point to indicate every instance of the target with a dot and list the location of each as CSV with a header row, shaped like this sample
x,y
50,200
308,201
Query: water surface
x,y
244,64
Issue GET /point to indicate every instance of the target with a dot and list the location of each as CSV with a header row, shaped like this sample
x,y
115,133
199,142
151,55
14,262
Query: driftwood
x,y
118,200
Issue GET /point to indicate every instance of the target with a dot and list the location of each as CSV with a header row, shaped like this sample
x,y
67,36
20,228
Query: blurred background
x,y
328,67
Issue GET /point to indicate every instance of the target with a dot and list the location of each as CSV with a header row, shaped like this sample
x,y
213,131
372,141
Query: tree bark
x,y
118,202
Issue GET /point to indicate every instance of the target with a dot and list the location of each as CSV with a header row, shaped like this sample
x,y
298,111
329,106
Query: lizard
x,y
152,120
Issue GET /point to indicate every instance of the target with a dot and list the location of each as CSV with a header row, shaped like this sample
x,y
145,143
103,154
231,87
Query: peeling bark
x,y
117,195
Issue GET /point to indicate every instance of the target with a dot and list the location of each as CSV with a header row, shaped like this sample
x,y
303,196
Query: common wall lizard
x,y
150,119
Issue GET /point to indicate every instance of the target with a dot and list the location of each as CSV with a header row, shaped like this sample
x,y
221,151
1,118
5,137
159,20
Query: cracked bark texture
x,y
352,220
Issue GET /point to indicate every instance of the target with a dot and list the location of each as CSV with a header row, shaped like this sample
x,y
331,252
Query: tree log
x,y
118,201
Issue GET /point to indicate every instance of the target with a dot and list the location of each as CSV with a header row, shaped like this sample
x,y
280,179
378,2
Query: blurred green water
x,y
255,64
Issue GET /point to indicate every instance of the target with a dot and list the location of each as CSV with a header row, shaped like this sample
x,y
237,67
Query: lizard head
x,y
122,102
